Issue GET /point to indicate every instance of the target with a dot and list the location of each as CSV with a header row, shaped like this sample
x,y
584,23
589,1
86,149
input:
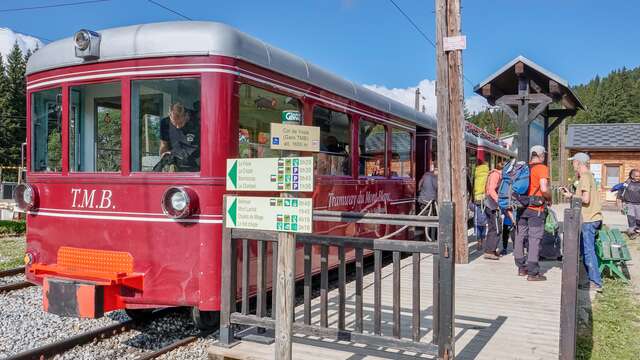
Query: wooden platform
x,y
498,316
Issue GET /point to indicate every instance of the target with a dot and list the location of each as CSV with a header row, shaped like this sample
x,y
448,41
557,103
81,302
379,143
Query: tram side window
x,y
401,153
165,125
335,141
46,122
258,109
372,141
95,127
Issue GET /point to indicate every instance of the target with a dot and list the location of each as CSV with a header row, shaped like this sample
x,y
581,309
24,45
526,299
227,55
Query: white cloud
x,y
475,103
8,37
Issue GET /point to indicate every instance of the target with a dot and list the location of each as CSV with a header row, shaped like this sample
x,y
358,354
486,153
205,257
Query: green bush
x,y
12,227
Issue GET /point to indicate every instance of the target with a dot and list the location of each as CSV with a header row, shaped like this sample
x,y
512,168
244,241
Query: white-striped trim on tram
x,y
211,69
119,212
123,218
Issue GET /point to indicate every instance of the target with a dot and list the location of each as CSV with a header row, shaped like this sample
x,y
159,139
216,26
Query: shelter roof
x,y
505,81
605,137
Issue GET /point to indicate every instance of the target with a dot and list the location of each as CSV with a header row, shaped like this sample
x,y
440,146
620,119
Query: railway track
x,y
59,347
14,285
174,345
12,272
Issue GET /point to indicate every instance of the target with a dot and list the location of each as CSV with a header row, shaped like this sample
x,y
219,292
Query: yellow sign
x,y
295,137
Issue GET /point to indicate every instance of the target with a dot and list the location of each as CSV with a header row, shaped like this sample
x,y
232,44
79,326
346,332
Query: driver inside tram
x,y
180,139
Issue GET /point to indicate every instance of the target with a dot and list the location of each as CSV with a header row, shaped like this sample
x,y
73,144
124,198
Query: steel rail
x,y
15,286
174,345
59,347
11,272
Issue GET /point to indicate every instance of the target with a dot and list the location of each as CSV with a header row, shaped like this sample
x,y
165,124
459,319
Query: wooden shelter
x,y
533,97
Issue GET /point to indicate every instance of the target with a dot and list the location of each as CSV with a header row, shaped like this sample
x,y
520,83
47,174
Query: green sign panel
x,y
270,174
269,213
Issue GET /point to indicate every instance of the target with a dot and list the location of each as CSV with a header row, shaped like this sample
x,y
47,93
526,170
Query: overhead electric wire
x,y
170,10
421,32
52,5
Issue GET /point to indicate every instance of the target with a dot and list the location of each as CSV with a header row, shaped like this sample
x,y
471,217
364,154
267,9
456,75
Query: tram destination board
x,y
269,213
270,174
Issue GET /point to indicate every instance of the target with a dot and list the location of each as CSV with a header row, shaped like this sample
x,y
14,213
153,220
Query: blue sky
x,y
369,41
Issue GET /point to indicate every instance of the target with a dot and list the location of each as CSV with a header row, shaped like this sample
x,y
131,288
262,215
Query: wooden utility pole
x,y
452,178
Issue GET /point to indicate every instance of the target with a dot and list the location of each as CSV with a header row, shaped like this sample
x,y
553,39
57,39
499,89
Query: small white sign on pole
x,y
452,43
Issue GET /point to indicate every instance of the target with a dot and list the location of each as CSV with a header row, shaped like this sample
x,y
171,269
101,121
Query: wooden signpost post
x,y
285,214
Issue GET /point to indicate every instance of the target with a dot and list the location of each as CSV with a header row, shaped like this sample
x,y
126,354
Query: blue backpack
x,y
514,187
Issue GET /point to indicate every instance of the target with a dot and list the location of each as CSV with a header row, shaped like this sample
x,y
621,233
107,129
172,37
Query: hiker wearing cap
x,y
530,220
629,196
591,216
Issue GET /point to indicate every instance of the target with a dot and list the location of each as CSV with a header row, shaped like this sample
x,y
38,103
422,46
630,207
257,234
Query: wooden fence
x,y
237,241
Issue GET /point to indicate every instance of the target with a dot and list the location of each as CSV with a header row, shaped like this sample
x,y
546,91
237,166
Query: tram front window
x,y
46,122
95,127
165,125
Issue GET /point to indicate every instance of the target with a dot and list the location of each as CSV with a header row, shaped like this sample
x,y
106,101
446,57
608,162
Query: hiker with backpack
x,y
479,216
492,210
524,194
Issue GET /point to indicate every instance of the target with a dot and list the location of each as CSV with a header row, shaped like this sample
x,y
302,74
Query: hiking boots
x,y
536,277
522,272
491,256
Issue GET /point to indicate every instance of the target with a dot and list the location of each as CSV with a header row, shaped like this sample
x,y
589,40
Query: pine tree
x,y
6,124
13,111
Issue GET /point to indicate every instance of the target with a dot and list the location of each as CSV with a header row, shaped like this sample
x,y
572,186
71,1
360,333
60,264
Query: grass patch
x,y
8,227
12,252
615,332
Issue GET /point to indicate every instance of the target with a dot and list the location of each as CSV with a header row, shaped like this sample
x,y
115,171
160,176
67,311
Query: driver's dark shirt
x,y
184,143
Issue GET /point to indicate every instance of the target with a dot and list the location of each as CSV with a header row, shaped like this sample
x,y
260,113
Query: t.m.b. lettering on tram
x,y
92,199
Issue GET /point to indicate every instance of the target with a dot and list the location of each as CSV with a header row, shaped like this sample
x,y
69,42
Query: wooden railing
x,y
235,240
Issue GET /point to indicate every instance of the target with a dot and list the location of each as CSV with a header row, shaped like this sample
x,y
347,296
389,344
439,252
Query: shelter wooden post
x,y
562,154
451,145
286,287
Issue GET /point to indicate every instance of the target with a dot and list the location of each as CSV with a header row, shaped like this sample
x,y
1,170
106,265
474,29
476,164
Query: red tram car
x,y
129,131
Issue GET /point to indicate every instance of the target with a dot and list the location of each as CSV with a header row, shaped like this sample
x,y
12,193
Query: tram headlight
x,y
26,197
87,44
179,202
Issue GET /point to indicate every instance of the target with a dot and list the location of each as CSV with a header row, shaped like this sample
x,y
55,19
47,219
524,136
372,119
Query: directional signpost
x,y
270,174
269,213
286,215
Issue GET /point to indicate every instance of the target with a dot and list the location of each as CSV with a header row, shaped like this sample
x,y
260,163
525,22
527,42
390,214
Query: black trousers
x,y
494,230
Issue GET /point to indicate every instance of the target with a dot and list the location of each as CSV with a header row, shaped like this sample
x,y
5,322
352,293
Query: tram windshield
x,y
46,122
95,127
165,125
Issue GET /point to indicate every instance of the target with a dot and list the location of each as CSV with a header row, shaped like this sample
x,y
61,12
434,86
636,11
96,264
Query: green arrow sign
x,y
233,211
233,174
